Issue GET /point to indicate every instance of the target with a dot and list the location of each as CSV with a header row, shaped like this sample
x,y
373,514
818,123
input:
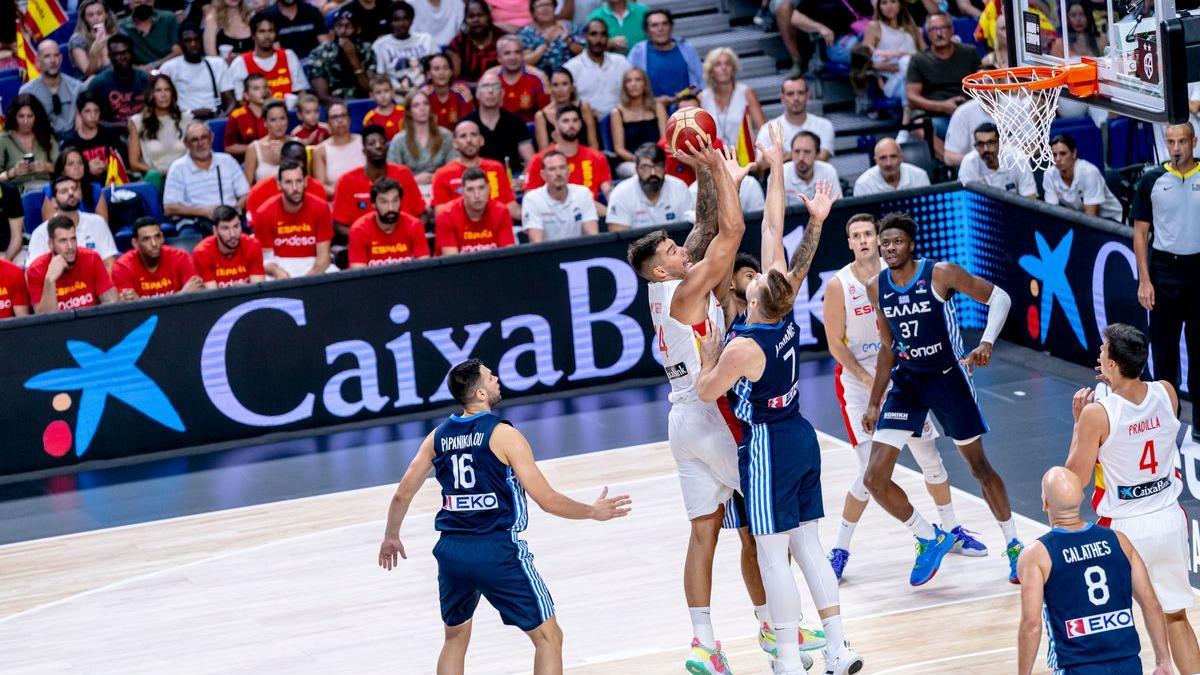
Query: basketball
x,y
689,124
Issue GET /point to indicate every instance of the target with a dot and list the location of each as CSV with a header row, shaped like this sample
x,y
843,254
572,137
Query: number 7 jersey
x,y
1137,460
480,494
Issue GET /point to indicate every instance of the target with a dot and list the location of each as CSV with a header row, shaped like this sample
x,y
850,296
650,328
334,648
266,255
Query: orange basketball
x,y
690,125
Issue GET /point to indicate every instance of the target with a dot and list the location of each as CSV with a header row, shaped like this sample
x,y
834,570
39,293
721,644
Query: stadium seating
x,y
31,203
359,108
1087,137
1129,142
217,126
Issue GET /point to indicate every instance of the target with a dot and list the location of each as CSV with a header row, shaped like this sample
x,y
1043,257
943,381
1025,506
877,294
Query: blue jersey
x,y
1088,598
925,334
480,494
773,397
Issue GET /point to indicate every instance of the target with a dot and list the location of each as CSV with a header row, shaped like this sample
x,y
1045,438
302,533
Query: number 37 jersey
x,y
480,494
1137,459
925,334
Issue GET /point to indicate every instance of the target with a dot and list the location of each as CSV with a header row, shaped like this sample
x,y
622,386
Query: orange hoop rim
x,y
1080,78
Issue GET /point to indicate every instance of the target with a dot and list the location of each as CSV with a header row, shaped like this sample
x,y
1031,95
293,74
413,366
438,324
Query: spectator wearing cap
x,y
120,88
152,268
386,235
295,228
228,257
280,66
654,198
1168,263
202,180
398,54
597,72
14,293
55,91
67,277
449,101
1077,183
625,20
91,232
796,118
475,221
246,124
154,33
983,165
934,77
269,187
299,26
525,87
99,144
672,63
801,174
352,196
422,145
589,167
960,133
558,210
448,181
203,82
506,136
890,172
339,69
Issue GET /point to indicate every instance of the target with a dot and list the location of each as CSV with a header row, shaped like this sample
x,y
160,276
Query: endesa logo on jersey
x,y
1099,623
1143,490
482,502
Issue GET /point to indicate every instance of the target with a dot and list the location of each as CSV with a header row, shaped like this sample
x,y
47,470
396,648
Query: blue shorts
x,y
780,467
949,394
1130,665
499,569
735,513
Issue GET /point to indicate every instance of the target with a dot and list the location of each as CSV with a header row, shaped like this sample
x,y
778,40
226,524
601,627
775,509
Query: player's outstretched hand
x,y
870,417
980,356
1080,401
390,551
736,171
821,202
607,508
773,155
694,156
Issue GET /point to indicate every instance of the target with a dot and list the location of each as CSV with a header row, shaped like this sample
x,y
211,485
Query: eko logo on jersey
x,y
482,502
1100,623
1144,490
782,401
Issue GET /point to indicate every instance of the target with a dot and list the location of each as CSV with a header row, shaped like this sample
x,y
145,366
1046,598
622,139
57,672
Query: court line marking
x,y
946,659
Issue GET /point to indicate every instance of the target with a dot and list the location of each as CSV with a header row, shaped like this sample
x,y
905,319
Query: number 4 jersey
x,y
1137,460
480,494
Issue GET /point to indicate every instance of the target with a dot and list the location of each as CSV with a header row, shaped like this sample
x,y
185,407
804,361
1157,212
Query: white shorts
x,y
705,455
854,396
1161,539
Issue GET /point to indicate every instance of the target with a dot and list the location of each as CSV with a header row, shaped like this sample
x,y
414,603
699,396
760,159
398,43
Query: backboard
x,y
1137,45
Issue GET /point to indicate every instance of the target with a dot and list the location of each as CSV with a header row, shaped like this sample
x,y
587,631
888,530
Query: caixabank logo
x,y
1049,271
97,376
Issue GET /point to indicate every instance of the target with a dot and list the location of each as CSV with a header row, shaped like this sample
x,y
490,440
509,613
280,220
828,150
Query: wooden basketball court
x,y
294,587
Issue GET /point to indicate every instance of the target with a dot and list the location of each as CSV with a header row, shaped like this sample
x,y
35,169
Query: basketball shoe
x,y
929,555
845,662
966,544
838,557
810,640
1013,551
705,661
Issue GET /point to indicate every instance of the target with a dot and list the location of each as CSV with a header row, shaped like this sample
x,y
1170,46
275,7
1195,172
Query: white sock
x,y
835,637
787,642
946,513
702,625
1009,528
919,526
761,613
845,531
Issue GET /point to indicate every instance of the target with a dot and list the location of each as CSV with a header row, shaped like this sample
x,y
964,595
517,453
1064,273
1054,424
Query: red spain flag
x,y
117,175
27,56
745,142
43,17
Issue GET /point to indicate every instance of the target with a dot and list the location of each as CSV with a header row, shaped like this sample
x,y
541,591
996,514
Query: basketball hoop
x,y
1023,102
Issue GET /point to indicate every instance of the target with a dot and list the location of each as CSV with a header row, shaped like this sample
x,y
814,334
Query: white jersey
x,y
679,347
862,335
1138,458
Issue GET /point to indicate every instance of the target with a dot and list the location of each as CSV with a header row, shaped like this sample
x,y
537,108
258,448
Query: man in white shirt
x,y
202,82
398,55
653,199
796,118
800,175
558,210
890,172
90,229
1076,183
442,19
202,180
266,61
983,165
959,134
597,71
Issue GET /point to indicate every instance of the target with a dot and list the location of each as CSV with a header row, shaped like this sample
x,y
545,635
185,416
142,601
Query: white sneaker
x,y
845,662
777,667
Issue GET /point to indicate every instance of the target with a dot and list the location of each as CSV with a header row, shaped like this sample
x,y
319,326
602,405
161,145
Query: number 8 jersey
x,y
480,494
1137,460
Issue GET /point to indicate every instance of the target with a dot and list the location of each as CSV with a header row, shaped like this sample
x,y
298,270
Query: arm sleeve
x,y
1142,207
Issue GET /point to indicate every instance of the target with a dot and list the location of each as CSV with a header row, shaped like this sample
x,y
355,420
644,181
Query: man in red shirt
x,y
228,257
352,194
474,221
294,228
386,235
245,124
281,67
68,277
269,187
153,268
447,181
525,87
589,167
14,295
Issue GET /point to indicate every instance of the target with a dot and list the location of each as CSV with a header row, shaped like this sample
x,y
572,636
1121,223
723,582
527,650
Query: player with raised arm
x,y
1080,579
779,457
853,339
1130,434
921,353
484,467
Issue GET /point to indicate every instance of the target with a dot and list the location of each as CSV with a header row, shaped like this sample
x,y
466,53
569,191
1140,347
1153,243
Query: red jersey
x,y
371,245
449,111
78,287
589,168
524,97
279,76
352,194
447,181
293,235
13,292
175,268
311,136
228,270
269,187
454,228
392,123
244,127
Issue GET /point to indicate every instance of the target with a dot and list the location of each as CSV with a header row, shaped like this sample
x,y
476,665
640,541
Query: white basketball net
x,y
1022,117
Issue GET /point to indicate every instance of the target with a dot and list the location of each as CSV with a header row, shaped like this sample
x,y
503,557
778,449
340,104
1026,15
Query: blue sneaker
x,y
966,543
929,555
838,558
1013,551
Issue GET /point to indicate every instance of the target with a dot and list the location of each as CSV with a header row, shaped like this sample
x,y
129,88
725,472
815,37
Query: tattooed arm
x,y
706,227
818,210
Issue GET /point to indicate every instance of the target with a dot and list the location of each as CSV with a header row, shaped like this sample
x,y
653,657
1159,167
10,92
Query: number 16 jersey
x,y
480,494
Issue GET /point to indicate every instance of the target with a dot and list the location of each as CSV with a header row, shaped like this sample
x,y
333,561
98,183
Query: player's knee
x,y
858,489
1177,618
935,474
704,533
549,635
874,480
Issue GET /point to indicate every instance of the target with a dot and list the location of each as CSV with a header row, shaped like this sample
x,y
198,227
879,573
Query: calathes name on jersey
x,y
1096,549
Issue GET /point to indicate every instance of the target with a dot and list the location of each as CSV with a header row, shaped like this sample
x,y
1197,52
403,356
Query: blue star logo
x,y
1125,492
114,373
1050,267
